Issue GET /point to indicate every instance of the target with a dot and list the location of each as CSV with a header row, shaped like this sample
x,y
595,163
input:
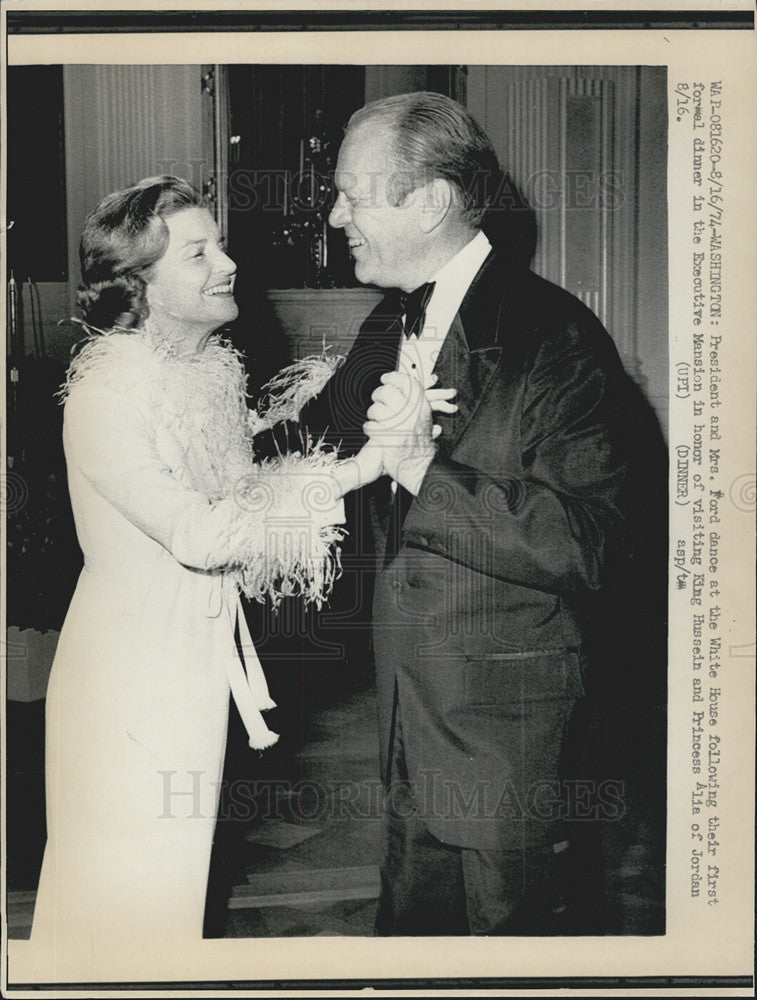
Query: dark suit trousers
x,y
432,888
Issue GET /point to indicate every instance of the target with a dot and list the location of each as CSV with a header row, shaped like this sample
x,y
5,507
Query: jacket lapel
x,y
467,361
470,353
467,371
382,337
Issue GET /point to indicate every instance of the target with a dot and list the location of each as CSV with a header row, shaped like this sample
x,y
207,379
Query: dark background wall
x,y
585,144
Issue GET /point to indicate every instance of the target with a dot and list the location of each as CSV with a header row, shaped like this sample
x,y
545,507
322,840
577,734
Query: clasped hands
x,y
401,429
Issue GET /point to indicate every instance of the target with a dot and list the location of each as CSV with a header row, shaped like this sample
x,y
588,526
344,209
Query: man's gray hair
x,y
435,137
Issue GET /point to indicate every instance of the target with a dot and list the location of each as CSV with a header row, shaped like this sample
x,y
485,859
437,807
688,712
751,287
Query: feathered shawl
x,y
201,399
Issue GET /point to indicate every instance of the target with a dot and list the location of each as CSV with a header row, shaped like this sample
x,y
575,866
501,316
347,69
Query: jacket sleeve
x,y
111,442
322,418
337,413
555,522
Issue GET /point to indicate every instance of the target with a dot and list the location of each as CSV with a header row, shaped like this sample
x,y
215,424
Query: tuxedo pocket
x,y
502,679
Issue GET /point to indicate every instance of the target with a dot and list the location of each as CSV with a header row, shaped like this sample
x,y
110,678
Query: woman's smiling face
x,y
191,291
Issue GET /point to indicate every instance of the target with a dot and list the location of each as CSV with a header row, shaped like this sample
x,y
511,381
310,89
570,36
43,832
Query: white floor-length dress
x,y
171,516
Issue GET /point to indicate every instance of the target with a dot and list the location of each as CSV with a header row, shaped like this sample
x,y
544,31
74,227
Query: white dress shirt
x,y
418,354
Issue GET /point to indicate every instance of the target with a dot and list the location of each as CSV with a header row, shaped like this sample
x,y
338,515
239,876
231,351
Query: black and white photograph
x,y
340,456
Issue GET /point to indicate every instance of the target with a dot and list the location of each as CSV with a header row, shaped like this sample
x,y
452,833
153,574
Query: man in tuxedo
x,y
495,528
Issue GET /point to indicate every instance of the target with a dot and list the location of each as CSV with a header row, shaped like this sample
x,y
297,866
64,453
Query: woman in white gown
x,y
174,519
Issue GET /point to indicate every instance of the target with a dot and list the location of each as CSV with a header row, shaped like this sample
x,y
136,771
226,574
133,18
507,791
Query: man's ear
x,y
435,201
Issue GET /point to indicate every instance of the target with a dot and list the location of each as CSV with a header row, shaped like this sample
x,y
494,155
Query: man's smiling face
x,y
386,241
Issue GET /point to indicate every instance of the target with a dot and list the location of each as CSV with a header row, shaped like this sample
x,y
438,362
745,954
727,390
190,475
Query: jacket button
x,y
396,585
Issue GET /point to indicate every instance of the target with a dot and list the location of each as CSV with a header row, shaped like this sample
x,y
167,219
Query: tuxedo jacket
x,y
484,609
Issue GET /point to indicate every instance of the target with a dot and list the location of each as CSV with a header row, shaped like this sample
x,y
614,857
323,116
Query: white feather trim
x,y
288,391
298,554
201,398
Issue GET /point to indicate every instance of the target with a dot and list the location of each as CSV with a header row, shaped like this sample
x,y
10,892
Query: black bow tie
x,y
414,305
